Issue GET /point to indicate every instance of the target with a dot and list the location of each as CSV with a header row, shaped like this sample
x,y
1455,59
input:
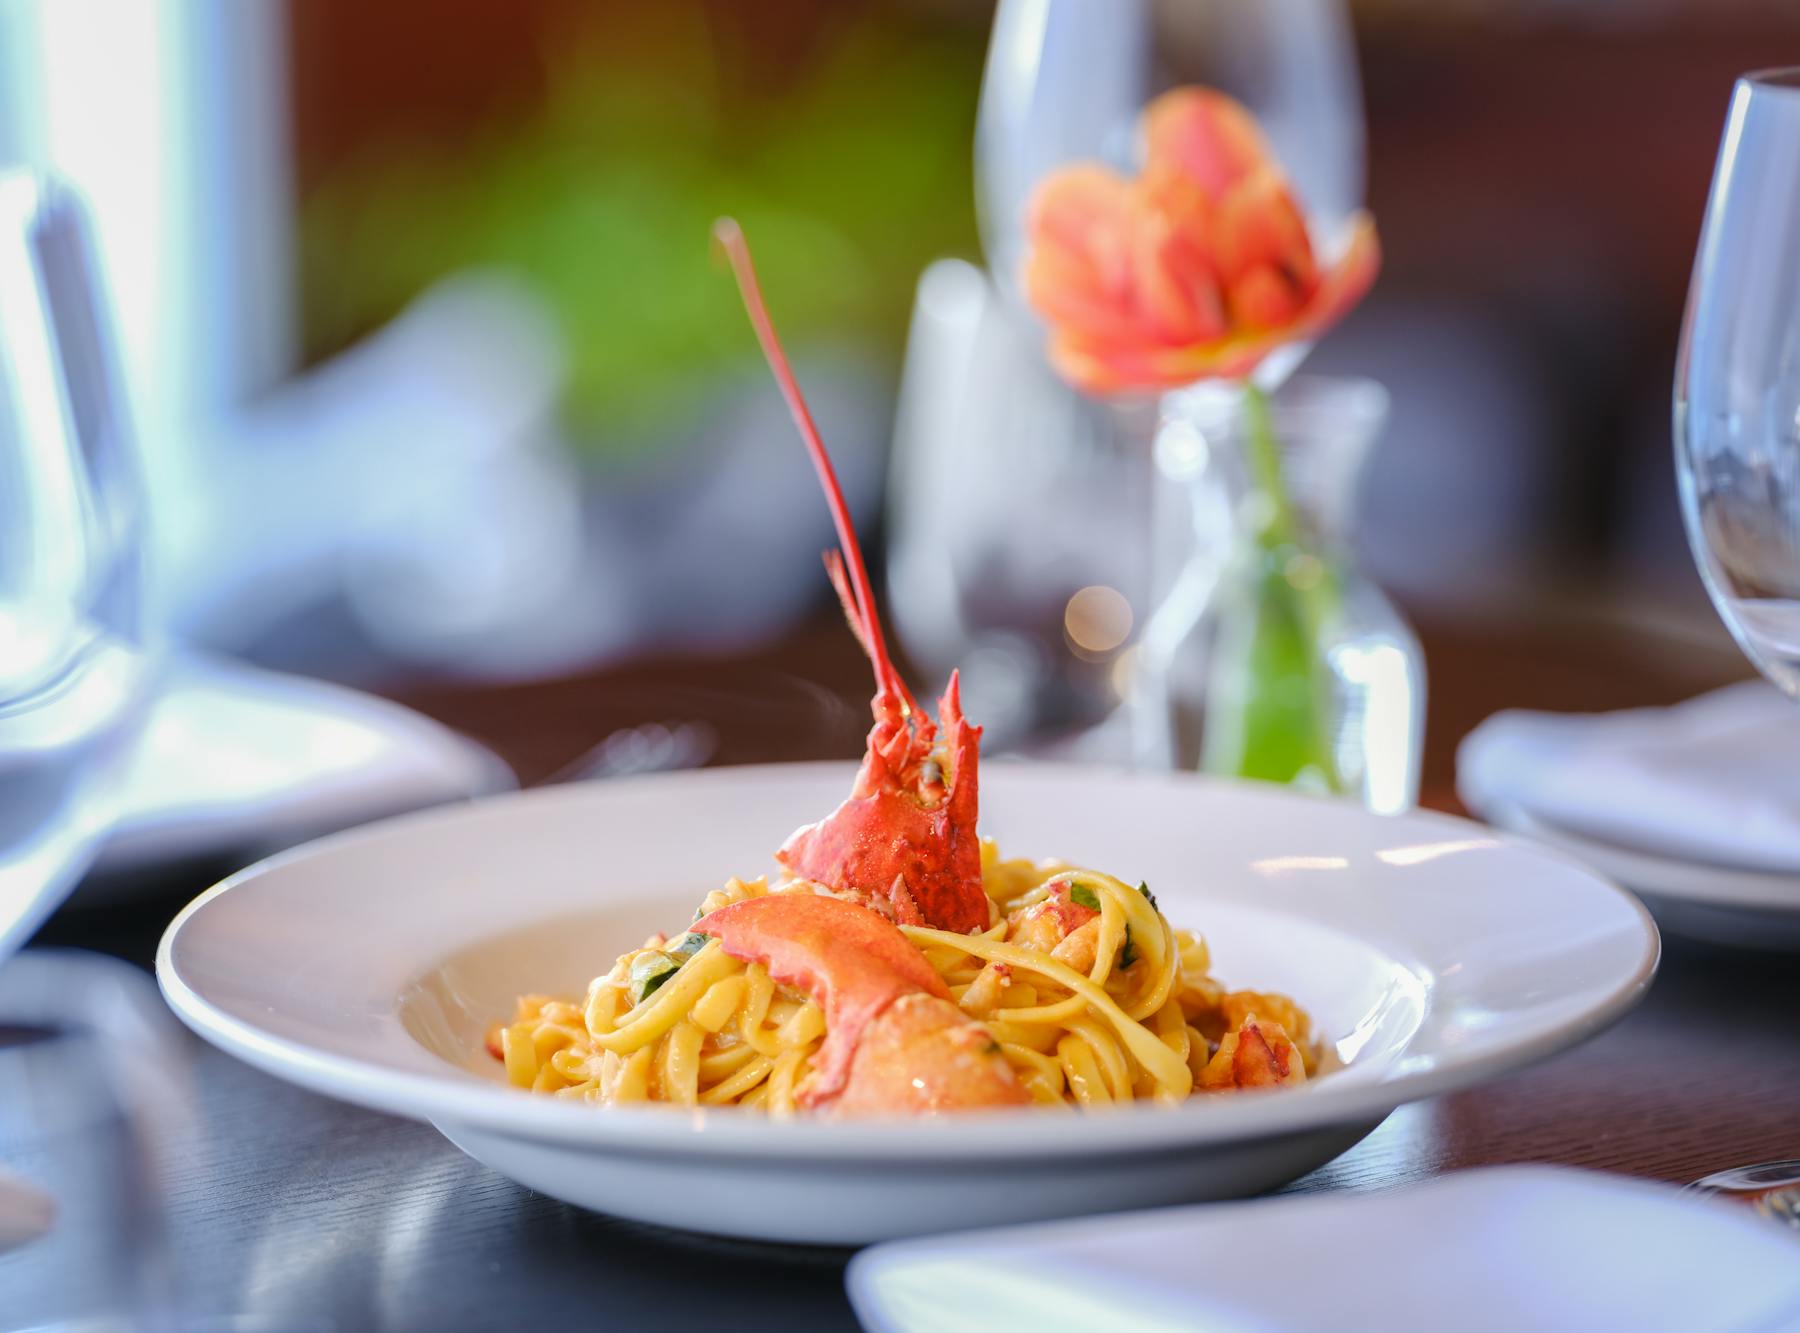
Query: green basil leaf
x,y
1149,897
1082,894
686,946
648,972
1127,954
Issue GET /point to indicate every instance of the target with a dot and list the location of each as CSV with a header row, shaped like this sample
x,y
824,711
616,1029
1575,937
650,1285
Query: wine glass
x,y
72,677
1066,79
1737,379
1042,615
1737,429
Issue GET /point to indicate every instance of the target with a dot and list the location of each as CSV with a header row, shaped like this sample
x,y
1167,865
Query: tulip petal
x,y
1101,369
1069,199
1198,268
1345,283
1086,210
1063,290
1265,298
1342,286
1202,136
1259,223
1117,366
1178,297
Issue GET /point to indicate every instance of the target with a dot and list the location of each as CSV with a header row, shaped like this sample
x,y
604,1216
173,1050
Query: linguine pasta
x,y
1088,992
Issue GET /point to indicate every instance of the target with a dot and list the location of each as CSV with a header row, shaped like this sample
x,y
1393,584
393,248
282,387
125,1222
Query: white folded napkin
x,y
1490,1251
1714,780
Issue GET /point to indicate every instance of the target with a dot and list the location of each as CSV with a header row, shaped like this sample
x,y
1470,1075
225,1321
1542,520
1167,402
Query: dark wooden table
x,y
306,1213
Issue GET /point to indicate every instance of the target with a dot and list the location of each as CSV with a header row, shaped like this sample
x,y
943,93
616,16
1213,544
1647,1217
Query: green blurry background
x,y
585,149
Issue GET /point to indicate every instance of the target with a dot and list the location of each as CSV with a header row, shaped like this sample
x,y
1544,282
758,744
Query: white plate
x,y
233,758
1432,952
1744,909
218,759
1490,1251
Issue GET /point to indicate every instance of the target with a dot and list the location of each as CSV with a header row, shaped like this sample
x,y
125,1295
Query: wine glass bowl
x,y
1737,380
1737,429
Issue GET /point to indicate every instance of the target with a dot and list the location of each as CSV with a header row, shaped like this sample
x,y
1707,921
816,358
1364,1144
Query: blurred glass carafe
x,y
1737,379
72,680
1021,510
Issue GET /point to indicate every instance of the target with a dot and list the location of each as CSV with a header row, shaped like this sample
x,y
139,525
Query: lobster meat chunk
x,y
904,842
894,1041
1257,1054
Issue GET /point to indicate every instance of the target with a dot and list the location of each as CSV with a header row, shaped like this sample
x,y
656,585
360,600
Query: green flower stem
x,y
1281,527
1276,691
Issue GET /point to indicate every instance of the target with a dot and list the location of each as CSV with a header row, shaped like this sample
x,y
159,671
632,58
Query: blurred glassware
x,y
1065,81
1009,495
98,1112
110,746
1737,379
1020,511
1737,418
170,119
72,679
1222,682
99,1118
1772,1189
92,1092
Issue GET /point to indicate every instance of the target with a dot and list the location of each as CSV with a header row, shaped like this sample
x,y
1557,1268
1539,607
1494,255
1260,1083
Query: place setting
x,y
1136,968
1683,805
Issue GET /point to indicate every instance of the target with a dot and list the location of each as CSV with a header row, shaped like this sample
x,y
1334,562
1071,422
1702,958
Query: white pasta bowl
x,y
1433,953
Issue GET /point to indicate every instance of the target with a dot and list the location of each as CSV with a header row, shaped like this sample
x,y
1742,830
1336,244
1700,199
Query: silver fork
x,y
652,747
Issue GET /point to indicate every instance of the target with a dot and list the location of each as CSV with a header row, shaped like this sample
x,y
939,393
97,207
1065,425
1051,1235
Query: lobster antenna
x,y
730,236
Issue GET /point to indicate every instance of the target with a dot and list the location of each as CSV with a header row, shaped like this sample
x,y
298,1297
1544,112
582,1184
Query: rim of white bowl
x,y
996,1138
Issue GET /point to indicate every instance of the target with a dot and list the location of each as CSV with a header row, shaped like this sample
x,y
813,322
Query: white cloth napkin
x,y
1714,780
1490,1251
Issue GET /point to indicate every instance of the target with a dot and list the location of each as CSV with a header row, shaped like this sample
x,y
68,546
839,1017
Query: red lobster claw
x,y
906,835
846,957
894,1043
905,840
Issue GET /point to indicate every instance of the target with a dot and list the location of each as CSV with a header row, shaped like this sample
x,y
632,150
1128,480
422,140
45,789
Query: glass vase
x,y
1269,654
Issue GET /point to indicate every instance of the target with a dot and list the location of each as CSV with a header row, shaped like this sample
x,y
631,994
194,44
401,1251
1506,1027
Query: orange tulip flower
x,y
1197,268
